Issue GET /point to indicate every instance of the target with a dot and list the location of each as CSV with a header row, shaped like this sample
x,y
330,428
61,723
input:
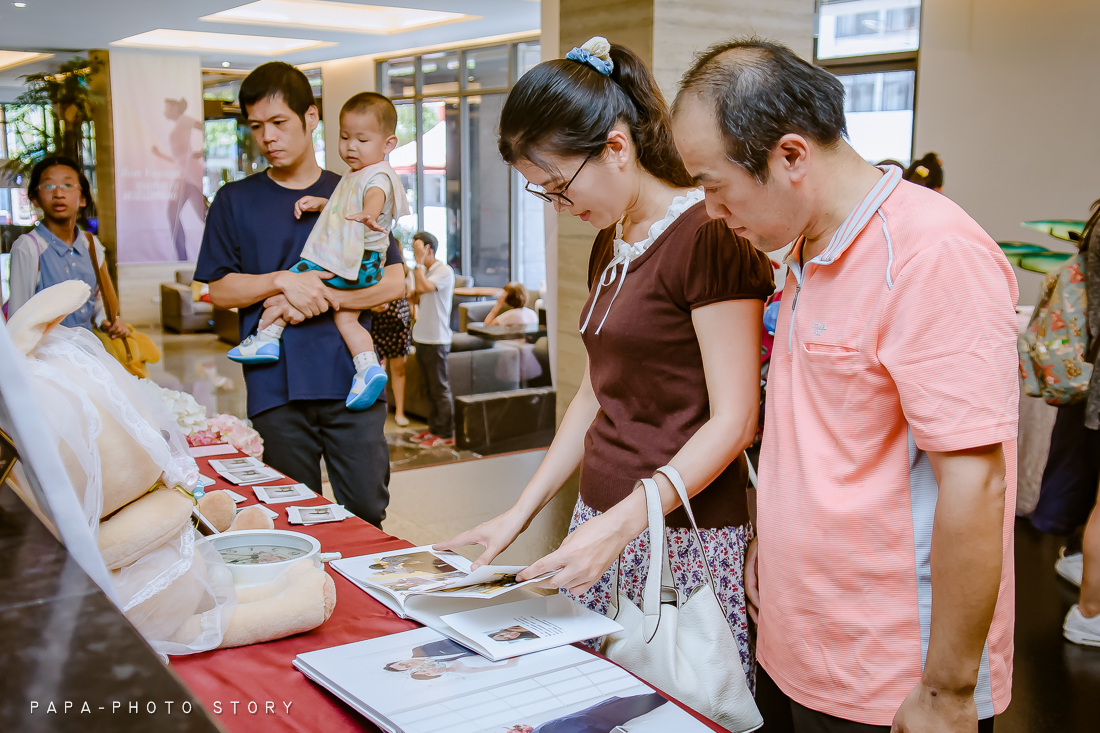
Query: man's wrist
x,y
943,685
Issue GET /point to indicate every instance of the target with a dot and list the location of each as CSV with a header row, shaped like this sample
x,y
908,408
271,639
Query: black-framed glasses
x,y
557,197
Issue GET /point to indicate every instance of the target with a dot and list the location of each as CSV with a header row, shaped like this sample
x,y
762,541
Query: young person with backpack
x,y
1067,322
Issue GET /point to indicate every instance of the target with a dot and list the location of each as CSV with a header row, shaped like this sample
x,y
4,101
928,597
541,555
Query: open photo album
x,y
486,610
421,682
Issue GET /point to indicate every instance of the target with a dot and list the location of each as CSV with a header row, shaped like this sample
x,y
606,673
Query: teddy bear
x,y
134,480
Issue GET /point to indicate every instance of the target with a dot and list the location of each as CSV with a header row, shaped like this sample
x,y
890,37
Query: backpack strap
x,y
40,244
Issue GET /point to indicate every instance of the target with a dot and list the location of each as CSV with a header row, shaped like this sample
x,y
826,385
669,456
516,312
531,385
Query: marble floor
x,y
197,364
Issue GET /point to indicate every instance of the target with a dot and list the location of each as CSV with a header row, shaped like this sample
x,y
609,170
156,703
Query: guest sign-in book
x,y
486,609
421,682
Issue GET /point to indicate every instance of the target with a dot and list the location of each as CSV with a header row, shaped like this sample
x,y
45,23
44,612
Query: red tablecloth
x,y
249,688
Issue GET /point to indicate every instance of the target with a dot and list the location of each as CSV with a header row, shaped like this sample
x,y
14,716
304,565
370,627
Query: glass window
x,y
441,192
487,68
221,153
398,77
489,200
458,187
530,252
26,128
5,206
863,27
319,143
879,113
440,72
528,55
403,161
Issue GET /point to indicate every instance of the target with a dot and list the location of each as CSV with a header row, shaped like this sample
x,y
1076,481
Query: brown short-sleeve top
x,y
646,366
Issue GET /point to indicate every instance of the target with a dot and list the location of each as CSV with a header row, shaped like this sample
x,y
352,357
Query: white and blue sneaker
x,y
256,349
366,387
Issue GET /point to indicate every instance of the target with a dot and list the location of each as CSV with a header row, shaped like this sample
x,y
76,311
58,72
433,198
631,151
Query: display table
x,y
254,676
530,332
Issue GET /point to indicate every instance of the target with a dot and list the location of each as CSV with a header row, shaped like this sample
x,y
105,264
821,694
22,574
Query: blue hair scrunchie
x,y
582,56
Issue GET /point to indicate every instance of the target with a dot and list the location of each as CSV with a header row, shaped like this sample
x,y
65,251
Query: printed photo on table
x,y
513,634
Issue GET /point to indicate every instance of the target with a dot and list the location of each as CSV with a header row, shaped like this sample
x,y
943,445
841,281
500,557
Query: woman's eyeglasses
x,y
55,186
557,197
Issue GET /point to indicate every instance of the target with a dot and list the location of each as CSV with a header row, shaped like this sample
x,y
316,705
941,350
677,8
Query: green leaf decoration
x,y
1044,262
1021,247
1014,251
1067,229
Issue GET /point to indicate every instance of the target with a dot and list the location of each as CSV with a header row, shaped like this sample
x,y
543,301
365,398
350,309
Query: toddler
x,y
349,239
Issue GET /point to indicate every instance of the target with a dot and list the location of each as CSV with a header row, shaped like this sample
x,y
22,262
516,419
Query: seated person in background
x,y
927,172
349,241
511,308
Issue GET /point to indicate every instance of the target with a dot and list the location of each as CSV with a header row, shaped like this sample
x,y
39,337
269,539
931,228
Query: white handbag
x,y
681,645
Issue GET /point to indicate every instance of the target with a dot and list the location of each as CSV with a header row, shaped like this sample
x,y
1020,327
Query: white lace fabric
x,y
75,384
625,253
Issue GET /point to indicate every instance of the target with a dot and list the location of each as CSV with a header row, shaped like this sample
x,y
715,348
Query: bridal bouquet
x,y
202,430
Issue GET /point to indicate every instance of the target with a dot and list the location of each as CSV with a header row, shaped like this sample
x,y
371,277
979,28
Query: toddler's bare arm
x,y
373,201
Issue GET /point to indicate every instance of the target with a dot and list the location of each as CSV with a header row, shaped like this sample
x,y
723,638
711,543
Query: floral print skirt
x,y
725,551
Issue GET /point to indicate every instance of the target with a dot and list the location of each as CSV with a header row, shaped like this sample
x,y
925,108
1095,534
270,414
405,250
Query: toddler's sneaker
x,y
1071,567
256,349
366,387
1080,629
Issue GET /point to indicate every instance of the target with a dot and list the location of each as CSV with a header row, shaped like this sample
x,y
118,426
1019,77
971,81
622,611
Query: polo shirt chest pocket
x,y
834,359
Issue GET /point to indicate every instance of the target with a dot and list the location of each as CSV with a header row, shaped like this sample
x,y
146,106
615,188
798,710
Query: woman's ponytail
x,y
652,132
567,108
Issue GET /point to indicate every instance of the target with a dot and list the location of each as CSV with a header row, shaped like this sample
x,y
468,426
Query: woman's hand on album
x,y
494,535
584,556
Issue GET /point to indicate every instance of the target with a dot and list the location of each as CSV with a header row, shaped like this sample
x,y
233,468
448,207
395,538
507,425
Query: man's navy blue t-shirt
x,y
251,229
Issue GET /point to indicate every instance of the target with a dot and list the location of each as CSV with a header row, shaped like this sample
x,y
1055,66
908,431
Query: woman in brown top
x,y
672,330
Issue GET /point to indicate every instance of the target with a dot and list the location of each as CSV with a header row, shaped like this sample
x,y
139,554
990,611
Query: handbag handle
x,y
677,482
658,560
658,563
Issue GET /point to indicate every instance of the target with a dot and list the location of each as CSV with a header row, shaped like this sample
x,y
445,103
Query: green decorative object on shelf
x,y
1067,229
1044,262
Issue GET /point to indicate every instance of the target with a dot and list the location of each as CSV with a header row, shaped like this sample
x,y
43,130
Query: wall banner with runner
x,y
157,115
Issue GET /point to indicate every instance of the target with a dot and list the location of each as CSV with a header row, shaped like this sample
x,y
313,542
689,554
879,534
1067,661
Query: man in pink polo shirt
x,y
887,473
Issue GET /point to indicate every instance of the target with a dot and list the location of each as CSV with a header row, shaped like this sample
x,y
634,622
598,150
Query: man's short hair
x,y
428,239
761,91
277,79
376,104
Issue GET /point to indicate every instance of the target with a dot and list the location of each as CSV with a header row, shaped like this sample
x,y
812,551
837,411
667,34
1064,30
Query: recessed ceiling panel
x,y
335,16
201,42
11,59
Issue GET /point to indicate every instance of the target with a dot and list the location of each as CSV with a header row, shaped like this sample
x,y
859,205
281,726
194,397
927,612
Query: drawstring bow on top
x,y
626,253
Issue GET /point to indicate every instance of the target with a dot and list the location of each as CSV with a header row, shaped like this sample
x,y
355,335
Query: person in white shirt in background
x,y
511,308
431,335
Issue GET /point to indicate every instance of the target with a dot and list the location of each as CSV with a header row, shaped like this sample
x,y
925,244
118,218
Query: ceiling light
x,y
225,64
11,59
20,5
336,16
163,38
